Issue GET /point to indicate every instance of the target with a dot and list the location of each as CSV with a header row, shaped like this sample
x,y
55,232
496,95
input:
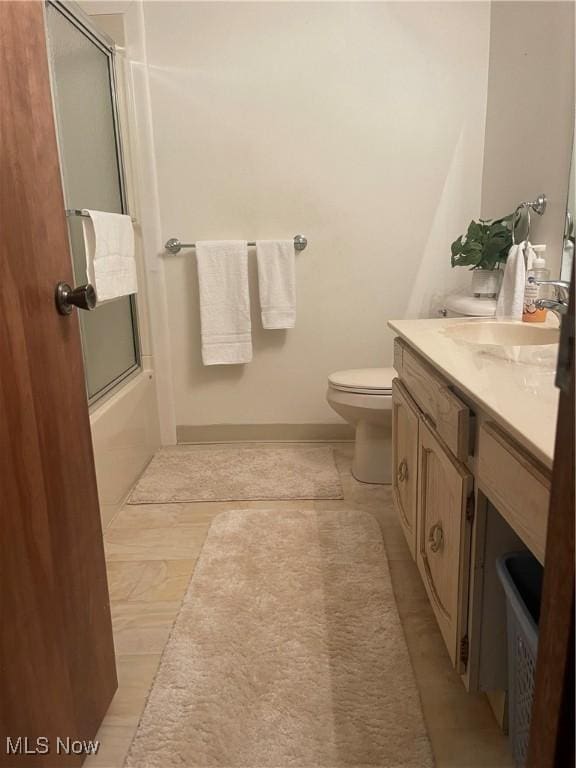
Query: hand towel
x,y
224,301
110,262
277,282
511,297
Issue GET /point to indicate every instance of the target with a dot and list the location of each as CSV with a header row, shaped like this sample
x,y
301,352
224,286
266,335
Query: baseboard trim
x,y
238,433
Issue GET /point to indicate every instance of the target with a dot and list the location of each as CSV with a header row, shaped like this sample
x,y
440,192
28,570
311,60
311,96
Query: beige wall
x,y
360,125
530,114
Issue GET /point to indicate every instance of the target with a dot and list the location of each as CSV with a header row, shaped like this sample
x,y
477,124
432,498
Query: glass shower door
x,y
91,161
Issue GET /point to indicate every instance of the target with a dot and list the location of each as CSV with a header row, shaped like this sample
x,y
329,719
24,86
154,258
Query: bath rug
x,y
288,652
238,473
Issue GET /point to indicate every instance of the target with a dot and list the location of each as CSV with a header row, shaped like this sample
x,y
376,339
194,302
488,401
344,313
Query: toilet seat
x,y
363,381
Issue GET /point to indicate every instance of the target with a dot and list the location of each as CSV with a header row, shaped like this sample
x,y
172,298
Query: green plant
x,y
485,245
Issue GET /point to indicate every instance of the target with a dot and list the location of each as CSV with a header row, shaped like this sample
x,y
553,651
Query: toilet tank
x,y
460,305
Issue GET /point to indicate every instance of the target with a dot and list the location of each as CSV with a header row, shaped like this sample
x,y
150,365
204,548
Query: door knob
x,y
83,297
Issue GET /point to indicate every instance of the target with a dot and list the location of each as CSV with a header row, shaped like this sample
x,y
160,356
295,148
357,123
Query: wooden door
x,y
443,538
405,421
552,723
57,670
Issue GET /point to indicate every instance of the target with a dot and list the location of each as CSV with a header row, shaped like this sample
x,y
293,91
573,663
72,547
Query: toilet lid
x,y
374,381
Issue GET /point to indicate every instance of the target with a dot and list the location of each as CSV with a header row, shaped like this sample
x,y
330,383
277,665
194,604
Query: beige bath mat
x,y
287,652
238,473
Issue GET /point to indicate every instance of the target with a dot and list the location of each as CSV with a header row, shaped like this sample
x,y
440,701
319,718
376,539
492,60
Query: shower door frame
x,y
76,16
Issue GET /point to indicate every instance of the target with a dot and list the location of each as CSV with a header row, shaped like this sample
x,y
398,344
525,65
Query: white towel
x,y
511,297
277,282
224,301
110,262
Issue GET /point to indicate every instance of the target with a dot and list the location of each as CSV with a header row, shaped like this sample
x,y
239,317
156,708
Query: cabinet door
x,y
443,538
405,422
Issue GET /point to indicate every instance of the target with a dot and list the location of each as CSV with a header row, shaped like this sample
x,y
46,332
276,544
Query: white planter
x,y
486,282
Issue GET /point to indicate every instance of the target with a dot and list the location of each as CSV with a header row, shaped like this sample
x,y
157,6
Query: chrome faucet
x,y
559,305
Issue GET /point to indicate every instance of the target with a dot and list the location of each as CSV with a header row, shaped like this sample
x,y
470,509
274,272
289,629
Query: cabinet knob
x,y
436,537
402,473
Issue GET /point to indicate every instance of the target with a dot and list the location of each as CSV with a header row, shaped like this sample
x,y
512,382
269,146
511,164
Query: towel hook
x,y
538,206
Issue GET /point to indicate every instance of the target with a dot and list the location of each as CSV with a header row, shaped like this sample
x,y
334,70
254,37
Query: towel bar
x,y
84,214
173,245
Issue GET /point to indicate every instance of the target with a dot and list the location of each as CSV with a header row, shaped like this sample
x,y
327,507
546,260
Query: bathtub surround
x,y
288,651
144,203
131,422
226,330
232,473
125,436
276,283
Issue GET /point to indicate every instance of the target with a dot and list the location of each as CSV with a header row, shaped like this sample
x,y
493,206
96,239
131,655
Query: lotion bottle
x,y
532,291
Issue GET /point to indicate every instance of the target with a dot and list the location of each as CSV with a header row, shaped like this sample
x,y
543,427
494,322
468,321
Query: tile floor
x,y
151,550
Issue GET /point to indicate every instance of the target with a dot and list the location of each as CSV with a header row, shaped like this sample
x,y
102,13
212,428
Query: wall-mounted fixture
x,y
173,245
83,213
538,206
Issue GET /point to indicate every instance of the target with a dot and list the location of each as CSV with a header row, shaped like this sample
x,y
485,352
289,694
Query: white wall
x,y
530,116
360,125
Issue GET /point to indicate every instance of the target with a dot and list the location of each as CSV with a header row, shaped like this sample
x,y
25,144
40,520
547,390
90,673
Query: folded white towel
x,y
511,297
110,262
224,301
277,282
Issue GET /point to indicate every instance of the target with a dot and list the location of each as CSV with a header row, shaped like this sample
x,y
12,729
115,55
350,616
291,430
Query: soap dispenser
x,y
537,271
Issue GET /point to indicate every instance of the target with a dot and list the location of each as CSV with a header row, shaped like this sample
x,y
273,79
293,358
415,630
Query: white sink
x,y
504,334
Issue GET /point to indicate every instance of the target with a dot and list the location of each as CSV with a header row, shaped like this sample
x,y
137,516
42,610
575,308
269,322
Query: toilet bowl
x,y
363,397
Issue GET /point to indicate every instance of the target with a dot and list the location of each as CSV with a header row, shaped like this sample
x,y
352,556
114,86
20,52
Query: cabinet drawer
x,y
405,421
443,537
516,485
450,416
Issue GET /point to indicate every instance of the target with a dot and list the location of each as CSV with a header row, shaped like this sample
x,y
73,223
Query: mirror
x,y
568,249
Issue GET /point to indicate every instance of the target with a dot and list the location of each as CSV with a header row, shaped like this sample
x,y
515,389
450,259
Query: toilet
x,y
363,397
458,305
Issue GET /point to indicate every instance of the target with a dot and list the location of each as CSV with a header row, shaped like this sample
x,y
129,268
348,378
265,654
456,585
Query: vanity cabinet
x,y
444,517
405,417
432,491
516,484
467,489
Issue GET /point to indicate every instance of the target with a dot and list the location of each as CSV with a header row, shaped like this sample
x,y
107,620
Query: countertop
x,y
513,385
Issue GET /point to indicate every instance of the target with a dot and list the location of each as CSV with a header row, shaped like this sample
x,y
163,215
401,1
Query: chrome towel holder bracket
x,y
85,215
173,245
538,206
